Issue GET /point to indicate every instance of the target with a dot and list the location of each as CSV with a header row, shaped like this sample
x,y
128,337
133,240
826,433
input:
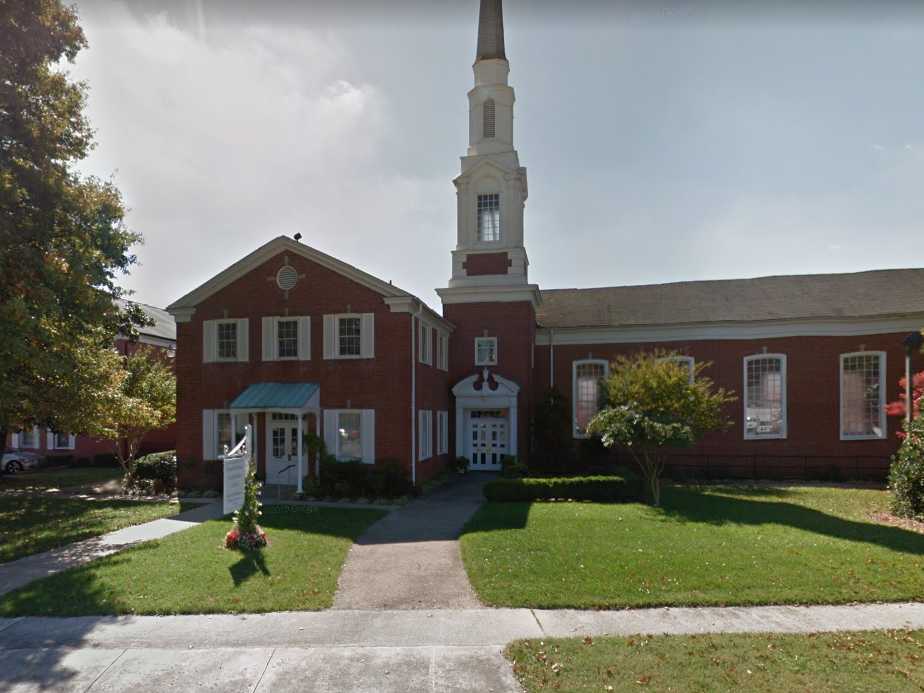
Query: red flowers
x,y
235,539
897,408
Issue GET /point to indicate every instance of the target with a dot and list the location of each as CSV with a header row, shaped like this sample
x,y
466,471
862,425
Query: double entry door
x,y
282,450
487,440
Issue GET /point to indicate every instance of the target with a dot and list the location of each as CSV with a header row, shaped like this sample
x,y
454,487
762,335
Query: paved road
x,y
410,558
413,650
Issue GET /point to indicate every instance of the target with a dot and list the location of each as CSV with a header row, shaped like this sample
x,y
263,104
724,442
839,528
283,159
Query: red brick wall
x,y
433,394
813,391
486,263
382,383
514,325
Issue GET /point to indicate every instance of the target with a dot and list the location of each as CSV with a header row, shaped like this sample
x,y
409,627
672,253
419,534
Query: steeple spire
x,y
490,31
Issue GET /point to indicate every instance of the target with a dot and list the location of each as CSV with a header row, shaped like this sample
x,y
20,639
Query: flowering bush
x,y
906,476
898,408
246,534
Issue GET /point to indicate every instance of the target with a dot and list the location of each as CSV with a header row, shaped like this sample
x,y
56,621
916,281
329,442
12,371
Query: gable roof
x,y
164,326
872,294
184,306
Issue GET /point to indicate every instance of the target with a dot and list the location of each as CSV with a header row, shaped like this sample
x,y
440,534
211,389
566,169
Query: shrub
x,y
906,475
386,479
247,534
586,488
154,473
460,464
512,468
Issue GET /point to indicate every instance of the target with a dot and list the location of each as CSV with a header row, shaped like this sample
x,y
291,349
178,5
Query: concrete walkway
x,y
415,650
17,573
410,558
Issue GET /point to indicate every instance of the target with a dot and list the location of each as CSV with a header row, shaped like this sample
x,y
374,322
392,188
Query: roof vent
x,y
286,278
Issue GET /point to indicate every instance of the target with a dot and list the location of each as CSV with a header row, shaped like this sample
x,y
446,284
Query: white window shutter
x,y
50,440
268,337
71,441
304,338
14,441
368,436
209,341
367,336
243,340
330,430
330,336
209,434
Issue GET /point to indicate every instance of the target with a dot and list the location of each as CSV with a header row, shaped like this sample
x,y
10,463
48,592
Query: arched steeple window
x,y
488,113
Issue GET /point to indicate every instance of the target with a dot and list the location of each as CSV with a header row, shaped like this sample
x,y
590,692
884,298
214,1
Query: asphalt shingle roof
x,y
877,293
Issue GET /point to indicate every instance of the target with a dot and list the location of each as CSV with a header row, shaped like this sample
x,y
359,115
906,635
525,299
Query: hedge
x,y
154,473
584,488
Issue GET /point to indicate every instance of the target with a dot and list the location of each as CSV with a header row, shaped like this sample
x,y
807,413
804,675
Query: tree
x,y
143,400
899,406
63,241
652,404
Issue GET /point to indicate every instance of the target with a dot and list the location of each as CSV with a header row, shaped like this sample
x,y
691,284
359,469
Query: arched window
x,y
488,112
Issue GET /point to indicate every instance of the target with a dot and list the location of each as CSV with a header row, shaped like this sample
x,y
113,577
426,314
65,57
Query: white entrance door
x,y
487,440
282,450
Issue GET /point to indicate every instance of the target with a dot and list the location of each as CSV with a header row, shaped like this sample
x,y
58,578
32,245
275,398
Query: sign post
x,y
235,464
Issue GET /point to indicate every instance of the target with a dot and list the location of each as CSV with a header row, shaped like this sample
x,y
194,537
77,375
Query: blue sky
x,y
663,143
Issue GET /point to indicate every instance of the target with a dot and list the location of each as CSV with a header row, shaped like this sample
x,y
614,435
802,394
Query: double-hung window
x,y
863,395
349,435
227,340
489,217
425,340
287,339
61,441
29,438
349,336
587,383
442,351
765,396
485,351
424,435
442,432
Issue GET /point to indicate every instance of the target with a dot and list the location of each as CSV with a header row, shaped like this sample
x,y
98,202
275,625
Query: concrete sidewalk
x,y
15,574
413,650
410,558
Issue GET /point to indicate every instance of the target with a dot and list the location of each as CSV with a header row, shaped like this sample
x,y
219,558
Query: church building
x,y
291,340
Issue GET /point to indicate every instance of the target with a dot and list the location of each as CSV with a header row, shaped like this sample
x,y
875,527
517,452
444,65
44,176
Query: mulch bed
x,y
895,521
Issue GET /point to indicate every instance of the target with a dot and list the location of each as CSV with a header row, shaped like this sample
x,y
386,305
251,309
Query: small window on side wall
x,y
486,351
586,389
764,396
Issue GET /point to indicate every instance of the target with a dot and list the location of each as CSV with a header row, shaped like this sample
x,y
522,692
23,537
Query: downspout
x,y
551,358
414,400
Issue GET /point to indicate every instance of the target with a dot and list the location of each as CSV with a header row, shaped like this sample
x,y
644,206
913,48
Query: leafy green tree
x,y
653,404
63,241
143,400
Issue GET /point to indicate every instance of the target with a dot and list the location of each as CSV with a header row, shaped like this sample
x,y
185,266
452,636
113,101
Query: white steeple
x,y
491,189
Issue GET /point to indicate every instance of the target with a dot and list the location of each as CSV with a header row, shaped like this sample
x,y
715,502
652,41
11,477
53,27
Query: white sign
x,y
235,464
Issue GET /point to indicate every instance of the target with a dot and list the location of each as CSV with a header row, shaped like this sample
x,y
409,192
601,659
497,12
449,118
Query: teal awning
x,y
277,396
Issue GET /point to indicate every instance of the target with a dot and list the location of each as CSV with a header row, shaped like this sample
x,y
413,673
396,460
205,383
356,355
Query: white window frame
x,y
478,227
211,436
270,336
337,451
425,343
210,351
486,362
36,440
883,421
237,340
442,432
331,418
574,400
784,396
366,336
688,361
424,434
442,351
53,441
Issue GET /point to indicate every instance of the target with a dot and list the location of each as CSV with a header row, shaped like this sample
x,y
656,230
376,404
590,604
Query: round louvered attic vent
x,y
286,278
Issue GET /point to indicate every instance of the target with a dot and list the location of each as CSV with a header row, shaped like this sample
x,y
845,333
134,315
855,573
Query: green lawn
x,y
34,523
59,477
705,546
833,663
191,571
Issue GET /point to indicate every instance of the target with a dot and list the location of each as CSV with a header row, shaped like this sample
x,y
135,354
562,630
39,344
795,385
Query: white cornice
x,y
491,294
412,304
843,327
262,254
